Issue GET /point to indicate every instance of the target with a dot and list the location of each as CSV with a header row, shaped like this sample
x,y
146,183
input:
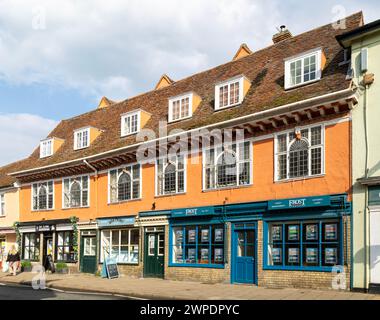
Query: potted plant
x,y
26,266
62,268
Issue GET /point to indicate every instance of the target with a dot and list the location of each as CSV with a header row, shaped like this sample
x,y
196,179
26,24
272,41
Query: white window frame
x,y
81,146
318,72
118,231
44,148
39,185
2,205
179,98
91,245
288,144
123,130
109,182
238,161
71,181
184,176
239,79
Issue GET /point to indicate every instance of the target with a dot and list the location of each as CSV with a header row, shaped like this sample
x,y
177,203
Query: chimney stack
x,y
283,34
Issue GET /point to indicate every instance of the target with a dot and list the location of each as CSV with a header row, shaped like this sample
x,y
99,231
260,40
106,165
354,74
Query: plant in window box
x,y
26,266
62,268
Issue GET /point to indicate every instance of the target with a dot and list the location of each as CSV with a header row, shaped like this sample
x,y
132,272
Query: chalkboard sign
x,y
49,264
110,268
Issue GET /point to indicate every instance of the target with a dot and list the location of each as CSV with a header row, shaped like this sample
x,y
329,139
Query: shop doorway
x,y
48,246
88,249
154,253
244,253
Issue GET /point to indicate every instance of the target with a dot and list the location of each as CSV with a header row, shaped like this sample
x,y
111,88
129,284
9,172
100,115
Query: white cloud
x,y
20,134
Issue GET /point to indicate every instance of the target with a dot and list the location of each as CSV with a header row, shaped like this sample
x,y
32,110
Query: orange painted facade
x,y
336,180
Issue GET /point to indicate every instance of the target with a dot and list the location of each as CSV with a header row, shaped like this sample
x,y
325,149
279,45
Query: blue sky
x,y
58,58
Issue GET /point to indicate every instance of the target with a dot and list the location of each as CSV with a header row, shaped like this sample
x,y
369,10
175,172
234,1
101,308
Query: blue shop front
x,y
299,242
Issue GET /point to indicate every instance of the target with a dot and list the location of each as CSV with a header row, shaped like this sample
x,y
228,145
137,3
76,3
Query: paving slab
x,y
184,290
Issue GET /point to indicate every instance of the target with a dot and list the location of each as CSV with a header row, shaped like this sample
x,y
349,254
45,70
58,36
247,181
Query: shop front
x,y
301,242
7,240
120,240
374,237
53,238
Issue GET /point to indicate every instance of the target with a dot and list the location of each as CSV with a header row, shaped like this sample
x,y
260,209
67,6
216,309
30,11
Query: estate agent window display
x,y
198,245
304,245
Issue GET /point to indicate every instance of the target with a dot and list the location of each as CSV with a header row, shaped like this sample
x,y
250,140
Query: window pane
x,y
124,237
298,159
316,136
316,161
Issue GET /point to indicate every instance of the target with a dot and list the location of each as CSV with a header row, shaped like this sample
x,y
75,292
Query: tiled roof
x,y
5,179
264,68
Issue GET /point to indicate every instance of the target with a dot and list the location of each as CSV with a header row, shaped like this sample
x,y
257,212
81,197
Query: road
x,y
16,292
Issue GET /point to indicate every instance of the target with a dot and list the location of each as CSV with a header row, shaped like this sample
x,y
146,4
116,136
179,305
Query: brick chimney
x,y
282,35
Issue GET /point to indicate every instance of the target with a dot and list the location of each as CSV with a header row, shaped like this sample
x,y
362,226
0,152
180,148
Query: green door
x,y
88,262
154,254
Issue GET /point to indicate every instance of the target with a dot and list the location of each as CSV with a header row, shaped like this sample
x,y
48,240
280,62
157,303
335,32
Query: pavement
x,y
158,289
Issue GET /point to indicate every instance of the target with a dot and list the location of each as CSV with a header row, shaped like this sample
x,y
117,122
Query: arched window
x,y
124,186
75,194
298,158
226,169
42,198
170,175
170,178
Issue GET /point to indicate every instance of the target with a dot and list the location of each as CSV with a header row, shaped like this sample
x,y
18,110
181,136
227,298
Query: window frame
x,y
130,229
123,130
72,180
156,177
2,205
40,184
198,226
318,68
238,163
70,245
35,247
339,243
109,202
288,144
81,131
179,98
43,149
228,83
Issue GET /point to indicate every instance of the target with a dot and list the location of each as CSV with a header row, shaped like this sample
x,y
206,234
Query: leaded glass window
x,y
124,183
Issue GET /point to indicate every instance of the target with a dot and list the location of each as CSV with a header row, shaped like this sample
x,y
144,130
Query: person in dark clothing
x,y
14,260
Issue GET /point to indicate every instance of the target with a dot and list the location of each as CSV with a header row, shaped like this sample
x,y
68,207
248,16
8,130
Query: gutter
x,y
330,97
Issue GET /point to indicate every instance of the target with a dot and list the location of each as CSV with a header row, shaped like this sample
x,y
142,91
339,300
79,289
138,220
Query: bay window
x,y
76,192
300,155
227,166
121,245
124,183
198,245
170,175
43,195
302,245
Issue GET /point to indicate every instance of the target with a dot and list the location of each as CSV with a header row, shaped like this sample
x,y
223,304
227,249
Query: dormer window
x,y
130,123
231,92
303,69
180,107
81,138
46,148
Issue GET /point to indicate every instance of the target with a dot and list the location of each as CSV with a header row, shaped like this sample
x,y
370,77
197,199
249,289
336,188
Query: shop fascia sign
x,y
188,212
45,227
114,222
307,202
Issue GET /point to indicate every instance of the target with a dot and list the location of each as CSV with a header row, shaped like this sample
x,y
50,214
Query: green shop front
x,y
301,242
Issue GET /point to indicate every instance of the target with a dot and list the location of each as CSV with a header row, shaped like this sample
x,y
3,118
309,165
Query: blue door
x,y
244,255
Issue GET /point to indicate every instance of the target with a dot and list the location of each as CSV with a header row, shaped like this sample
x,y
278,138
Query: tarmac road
x,y
16,292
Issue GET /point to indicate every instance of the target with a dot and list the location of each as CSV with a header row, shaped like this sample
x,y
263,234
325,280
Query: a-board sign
x,y
110,269
49,264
